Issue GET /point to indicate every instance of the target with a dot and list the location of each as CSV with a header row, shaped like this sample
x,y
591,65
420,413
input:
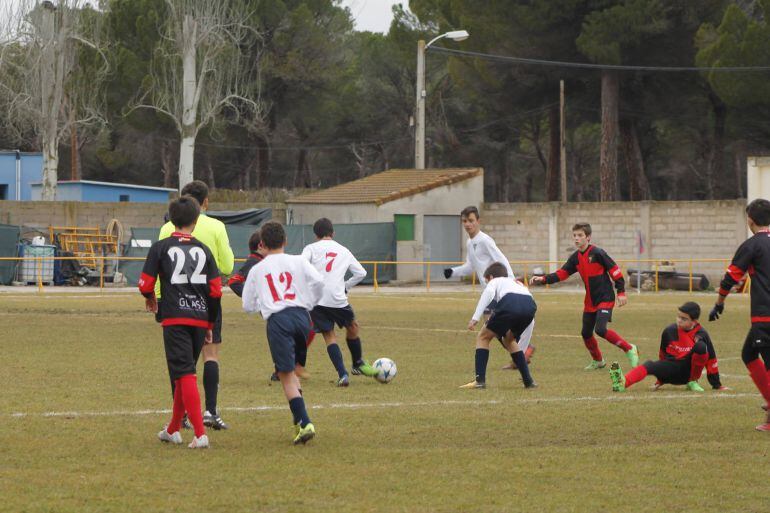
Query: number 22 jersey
x,y
281,281
189,281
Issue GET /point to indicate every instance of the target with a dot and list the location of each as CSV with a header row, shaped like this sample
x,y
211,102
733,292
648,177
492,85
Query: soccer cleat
x,y
274,377
474,384
173,438
694,386
304,434
343,381
531,384
617,377
364,369
657,386
186,424
766,407
633,356
214,421
201,442
763,427
595,364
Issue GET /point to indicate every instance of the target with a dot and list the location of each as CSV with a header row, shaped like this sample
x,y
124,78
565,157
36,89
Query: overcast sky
x,y
371,15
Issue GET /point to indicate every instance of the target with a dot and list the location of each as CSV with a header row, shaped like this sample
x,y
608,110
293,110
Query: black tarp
x,y
250,217
367,241
9,247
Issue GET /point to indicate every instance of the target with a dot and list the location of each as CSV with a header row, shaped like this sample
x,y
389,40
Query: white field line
x,y
405,404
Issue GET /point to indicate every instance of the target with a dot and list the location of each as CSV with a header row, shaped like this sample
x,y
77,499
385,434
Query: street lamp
x,y
419,128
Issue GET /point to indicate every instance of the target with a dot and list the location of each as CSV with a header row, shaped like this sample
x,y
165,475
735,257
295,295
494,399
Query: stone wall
x,y
671,230
42,214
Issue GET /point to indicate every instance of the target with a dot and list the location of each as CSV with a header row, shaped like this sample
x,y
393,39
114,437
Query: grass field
x,y
85,385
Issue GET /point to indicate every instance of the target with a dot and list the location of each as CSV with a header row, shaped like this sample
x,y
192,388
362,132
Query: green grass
x,y
417,444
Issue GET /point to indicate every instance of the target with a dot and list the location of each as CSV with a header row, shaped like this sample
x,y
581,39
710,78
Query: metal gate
x,y
442,240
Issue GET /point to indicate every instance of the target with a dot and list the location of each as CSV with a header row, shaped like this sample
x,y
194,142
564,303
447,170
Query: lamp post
x,y
419,127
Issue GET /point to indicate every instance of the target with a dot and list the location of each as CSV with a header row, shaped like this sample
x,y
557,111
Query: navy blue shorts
x,y
287,332
183,346
514,312
325,317
489,310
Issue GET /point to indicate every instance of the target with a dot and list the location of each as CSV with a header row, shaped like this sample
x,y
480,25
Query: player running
x,y
753,257
333,260
598,271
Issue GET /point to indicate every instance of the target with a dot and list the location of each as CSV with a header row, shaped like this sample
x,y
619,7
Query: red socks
x,y
697,362
635,375
758,374
593,347
187,398
616,340
713,368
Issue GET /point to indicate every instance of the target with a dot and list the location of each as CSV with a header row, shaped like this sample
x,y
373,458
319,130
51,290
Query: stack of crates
x,y
33,270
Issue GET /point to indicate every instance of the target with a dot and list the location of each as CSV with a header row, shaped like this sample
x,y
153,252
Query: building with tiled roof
x,y
423,204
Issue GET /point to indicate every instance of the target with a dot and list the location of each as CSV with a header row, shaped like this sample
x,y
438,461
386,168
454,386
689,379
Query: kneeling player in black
x,y
191,289
685,349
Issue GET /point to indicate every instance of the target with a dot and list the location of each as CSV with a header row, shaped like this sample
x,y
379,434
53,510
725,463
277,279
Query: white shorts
x,y
526,336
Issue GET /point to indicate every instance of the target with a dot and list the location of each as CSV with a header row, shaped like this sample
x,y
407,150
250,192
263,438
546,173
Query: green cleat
x,y
693,386
617,377
595,364
364,369
305,434
633,356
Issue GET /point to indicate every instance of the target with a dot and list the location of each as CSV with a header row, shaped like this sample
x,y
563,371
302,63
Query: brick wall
x,y
42,214
672,230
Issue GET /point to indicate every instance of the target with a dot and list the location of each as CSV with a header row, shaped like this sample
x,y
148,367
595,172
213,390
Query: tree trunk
x,y
263,162
608,161
739,159
552,175
52,80
639,187
190,114
167,164
210,173
302,175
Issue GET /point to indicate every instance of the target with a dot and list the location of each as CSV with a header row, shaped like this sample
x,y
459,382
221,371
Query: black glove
x,y
716,312
447,273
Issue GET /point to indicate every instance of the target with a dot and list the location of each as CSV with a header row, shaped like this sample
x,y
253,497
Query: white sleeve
x,y
486,297
307,254
497,256
359,273
463,270
250,297
315,282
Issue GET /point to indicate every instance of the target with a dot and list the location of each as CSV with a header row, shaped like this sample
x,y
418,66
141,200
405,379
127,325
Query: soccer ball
x,y
386,370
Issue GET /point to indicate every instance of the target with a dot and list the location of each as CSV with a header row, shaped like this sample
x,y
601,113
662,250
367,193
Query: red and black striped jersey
x,y
598,272
752,257
190,284
236,280
677,344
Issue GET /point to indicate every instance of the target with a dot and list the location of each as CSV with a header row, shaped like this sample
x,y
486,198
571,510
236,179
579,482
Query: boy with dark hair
x,y
213,234
753,257
481,252
333,260
598,271
685,350
236,281
514,312
190,283
284,288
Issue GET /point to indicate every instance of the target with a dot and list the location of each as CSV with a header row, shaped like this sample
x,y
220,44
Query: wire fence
x,y
659,269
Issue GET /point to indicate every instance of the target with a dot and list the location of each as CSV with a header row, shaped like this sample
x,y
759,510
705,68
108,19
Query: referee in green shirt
x,y
213,234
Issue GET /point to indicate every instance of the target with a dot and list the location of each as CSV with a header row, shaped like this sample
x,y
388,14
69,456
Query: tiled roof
x,y
388,186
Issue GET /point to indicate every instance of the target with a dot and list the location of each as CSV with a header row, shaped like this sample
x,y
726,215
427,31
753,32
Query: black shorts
x,y
490,309
673,372
183,345
514,313
758,336
217,329
287,333
325,317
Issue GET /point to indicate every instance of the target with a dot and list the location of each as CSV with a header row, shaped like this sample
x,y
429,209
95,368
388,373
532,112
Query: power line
x,y
587,65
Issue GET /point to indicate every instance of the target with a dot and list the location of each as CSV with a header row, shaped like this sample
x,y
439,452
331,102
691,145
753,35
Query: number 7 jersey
x,y
190,284
281,281
333,260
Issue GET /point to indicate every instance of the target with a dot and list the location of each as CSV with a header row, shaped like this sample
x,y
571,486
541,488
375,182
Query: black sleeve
x,y
215,286
738,267
237,280
150,271
568,269
712,367
613,270
665,340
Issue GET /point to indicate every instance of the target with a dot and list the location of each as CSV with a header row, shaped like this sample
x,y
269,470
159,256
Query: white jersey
x,y
281,281
495,290
333,260
481,253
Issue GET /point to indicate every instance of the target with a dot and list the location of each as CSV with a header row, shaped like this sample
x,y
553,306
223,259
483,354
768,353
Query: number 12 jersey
x,y
281,281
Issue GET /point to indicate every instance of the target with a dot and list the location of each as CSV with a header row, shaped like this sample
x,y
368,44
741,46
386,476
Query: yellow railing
x,y
654,264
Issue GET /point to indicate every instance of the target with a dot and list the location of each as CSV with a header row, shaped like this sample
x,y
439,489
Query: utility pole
x,y
419,125
562,144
